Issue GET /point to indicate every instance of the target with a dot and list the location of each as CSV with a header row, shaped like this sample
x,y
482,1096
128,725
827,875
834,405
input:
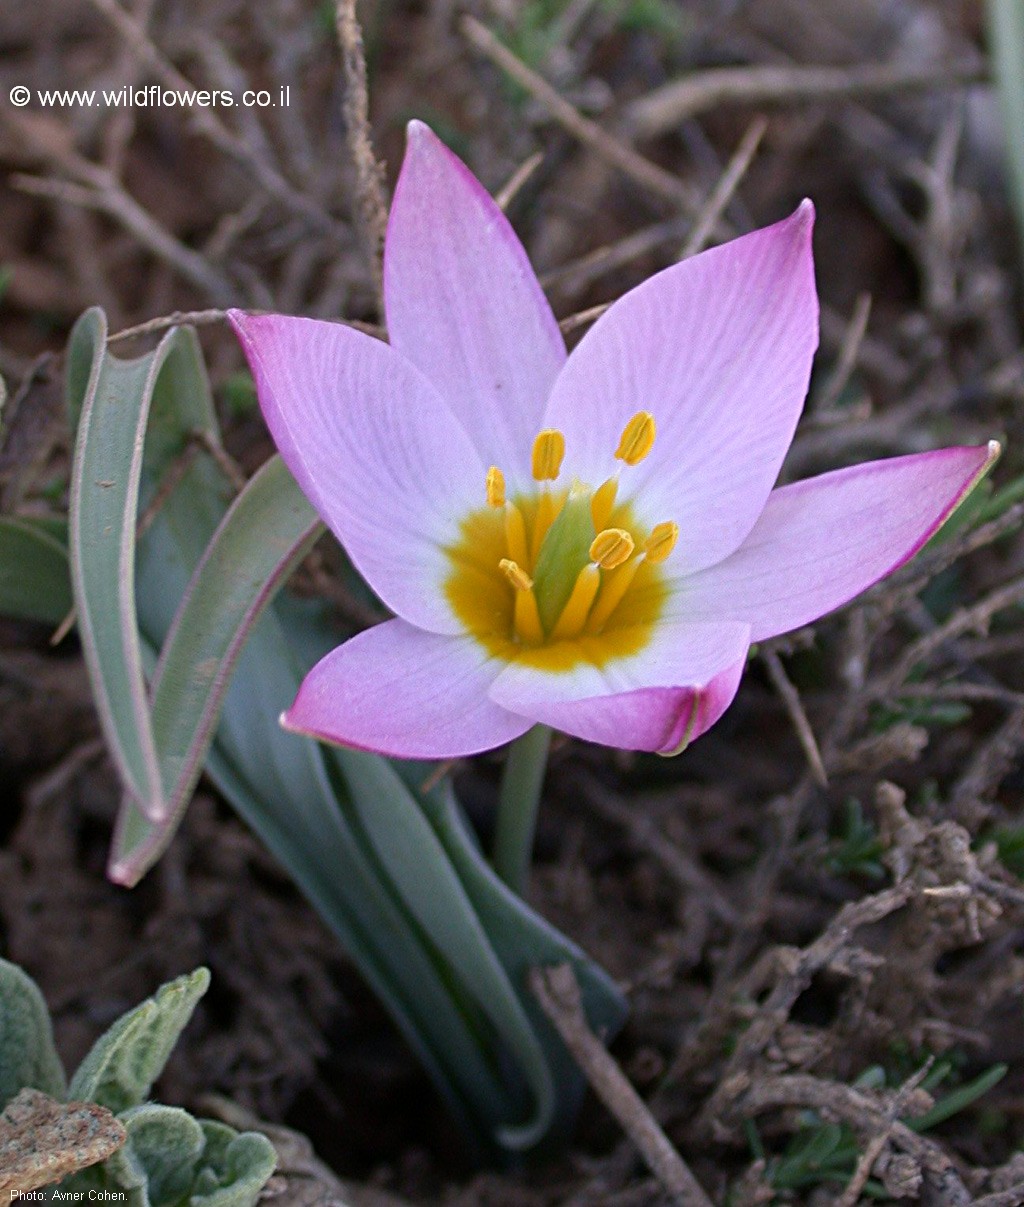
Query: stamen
x,y
526,618
548,451
662,541
495,487
515,574
603,501
611,548
545,517
637,438
515,535
574,614
614,586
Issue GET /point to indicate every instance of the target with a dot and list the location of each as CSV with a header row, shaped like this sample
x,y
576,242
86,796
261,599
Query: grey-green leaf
x,y
521,938
125,1061
27,1055
234,1167
125,407
106,471
1006,41
157,1164
268,529
416,863
35,582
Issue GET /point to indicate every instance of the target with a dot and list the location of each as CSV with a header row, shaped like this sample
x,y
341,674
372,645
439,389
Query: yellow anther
x,y
662,541
637,438
577,608
603,501
516,575
495,487
611,548
548,451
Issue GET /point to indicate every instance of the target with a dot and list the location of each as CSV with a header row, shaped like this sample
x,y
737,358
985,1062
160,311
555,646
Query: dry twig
x,y
559,996
797,714
647,175
876,1145
673,103
845,1104
208,124
846,361
720,196
371,202
803,965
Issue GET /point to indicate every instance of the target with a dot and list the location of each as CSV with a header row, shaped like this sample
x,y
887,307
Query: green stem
x,y
517,807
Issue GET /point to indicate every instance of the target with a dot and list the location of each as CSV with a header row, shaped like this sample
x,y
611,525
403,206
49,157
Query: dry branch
x,y
209,125
647,175
720,196
559,996
801,966
843,1104
371,202
673,103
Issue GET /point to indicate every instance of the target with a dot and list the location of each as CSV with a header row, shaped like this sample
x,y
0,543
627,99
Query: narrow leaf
x,y
415,862
105,478
35,581
1006,39
268,529
521,938
958,1099
124,408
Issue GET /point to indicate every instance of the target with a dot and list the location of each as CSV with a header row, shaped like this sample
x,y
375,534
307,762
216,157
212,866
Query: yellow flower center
x,y
557,576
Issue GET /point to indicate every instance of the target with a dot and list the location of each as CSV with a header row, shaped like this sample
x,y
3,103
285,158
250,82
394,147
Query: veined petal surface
x,y
396,690
718,349
670,692
375,449
464,305
822,541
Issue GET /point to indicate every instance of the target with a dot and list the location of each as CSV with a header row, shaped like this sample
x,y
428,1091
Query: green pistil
x,y
564,553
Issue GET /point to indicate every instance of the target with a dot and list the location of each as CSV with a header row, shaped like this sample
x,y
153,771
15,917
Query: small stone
x,y
43,1140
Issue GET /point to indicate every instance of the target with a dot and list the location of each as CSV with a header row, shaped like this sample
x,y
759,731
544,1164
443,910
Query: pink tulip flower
x,y
591,541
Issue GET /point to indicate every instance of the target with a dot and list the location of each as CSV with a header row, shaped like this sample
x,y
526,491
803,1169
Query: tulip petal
x,y
718,349
374,448
396,690
464,305
659,699
822,541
